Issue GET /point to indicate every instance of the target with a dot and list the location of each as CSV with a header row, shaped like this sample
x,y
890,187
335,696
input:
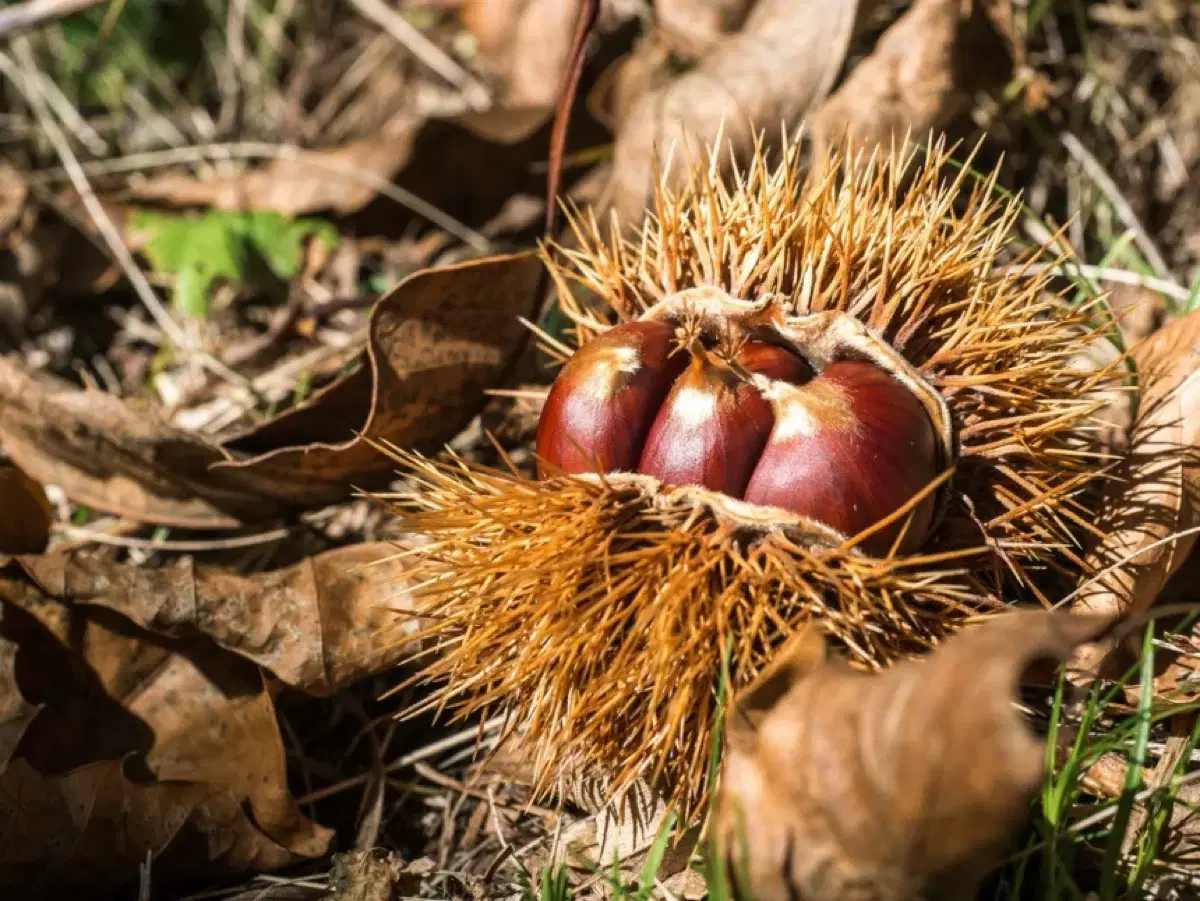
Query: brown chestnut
x,y
606,396
714,423
847,449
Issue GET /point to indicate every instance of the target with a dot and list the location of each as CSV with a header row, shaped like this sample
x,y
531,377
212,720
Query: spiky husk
x,y
597,610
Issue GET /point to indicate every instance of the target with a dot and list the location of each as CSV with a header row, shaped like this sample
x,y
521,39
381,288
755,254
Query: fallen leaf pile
x,y
137,713
780,69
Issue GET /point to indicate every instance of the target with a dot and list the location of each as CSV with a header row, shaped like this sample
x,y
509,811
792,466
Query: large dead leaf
x,y
901,784
781,64
318,625
25,513
114,456
435,344
924,72
1156,492
140,745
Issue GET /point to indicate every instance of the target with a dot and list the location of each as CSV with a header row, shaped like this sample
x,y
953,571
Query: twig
x,y
588,12
100,218
1120,205
425,771
568,88
425,50
1104,273
153,544
23,16
69,116
257,149
430,750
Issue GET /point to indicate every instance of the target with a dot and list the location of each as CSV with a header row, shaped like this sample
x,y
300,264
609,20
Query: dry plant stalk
x,y
594,606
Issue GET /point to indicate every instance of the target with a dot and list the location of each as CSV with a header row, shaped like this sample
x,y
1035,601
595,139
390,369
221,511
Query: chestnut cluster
x,y
844,446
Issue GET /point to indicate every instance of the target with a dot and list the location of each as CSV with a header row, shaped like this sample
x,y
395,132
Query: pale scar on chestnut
x,y
841,441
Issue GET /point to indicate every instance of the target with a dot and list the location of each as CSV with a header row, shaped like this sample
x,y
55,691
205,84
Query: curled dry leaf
x,y
318,625
140,745
25,513
902,784
924,72
435,344
776,69
1156,491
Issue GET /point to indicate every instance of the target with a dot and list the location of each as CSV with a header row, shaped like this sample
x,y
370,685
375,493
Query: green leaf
x,y
654,859
198,248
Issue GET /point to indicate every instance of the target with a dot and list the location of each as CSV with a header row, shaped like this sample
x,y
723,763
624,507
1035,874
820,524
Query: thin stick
x,y
562,115
100,218
23,16
425,50
1104,273
152,544
1120,205
430,750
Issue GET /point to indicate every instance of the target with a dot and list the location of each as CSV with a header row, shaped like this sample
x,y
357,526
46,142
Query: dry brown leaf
x,y
525,44
910,781
25,513
923,73
1156,491
435,344
142,745
343,179
694,26
114,456
77,831
775,70
318,625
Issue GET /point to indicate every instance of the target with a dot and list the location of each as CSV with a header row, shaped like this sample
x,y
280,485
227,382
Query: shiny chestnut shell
x,y
845,447
606,397
848,449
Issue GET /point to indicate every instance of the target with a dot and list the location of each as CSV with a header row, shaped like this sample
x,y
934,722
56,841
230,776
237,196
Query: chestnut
x,y
714,423
606,396
847,449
